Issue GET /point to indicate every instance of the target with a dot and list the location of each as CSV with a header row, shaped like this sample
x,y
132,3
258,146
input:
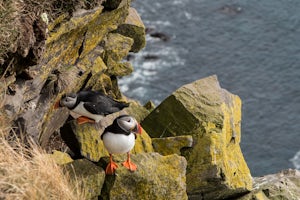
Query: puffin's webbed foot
x,y
83,120
128,164
111,167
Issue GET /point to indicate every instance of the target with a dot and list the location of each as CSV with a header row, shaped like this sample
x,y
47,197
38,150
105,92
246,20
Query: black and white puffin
x,y
92,106
119,138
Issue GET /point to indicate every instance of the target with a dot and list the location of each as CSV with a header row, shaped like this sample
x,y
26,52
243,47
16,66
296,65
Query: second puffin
x,y
92,106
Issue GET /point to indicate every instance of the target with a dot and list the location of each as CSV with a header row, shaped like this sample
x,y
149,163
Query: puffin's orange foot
x,y
56,105
130,165
83,120
111,168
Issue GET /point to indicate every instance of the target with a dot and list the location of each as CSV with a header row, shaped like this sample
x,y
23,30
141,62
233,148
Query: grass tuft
x,y
27,173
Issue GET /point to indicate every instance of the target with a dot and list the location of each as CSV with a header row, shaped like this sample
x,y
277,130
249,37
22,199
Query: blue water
x,y
254,49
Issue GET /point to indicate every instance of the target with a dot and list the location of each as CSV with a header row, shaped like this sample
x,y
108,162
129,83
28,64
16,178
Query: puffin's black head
x,y
68,100
128,124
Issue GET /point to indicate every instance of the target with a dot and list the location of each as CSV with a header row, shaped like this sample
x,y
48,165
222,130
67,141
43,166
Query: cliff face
x,y
82,51
189,147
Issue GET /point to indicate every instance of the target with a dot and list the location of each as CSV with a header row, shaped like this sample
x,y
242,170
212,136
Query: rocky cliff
x,y
189,147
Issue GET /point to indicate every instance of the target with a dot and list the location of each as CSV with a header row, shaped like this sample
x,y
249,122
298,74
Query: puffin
x,y
119,138
91,105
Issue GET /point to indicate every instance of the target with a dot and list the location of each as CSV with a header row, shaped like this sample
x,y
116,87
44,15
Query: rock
x,y
90,176
170,145
138,111
157,177
212,115
283,185
134,28
61,157
162,36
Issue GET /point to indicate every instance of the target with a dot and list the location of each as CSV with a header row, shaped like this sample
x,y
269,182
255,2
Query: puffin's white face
x,y
69,100
129,124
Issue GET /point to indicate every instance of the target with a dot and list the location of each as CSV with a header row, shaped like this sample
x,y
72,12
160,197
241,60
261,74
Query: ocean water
x,y
254,49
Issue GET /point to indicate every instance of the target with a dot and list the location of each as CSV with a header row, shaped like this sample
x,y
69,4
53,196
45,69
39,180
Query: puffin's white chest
x,y
79,109
118,143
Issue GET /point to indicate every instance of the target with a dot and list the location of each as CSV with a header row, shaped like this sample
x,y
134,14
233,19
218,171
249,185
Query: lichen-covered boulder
x,y
90,176
134,28
284,185
170,145
157,177
212,115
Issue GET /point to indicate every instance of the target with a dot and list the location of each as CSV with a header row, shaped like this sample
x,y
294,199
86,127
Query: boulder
x,y
284,185
90,176
212,115
157,177
134,28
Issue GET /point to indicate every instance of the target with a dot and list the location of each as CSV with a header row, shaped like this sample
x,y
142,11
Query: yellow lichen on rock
x,y
143,143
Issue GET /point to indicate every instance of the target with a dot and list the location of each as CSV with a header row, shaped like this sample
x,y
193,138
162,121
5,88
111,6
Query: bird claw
x,y
111,168
130,165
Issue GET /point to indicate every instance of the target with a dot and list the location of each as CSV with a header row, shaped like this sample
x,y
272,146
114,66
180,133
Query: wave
x,y
296,160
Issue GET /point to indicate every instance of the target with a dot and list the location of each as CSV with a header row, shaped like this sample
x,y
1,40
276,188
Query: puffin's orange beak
x,y
56,105
139,129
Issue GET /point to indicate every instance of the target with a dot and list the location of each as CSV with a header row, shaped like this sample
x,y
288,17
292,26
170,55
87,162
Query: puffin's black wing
x,y
100,108
98,103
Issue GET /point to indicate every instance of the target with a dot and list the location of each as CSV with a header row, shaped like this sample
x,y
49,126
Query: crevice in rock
x,y
67,135
86,81
81,47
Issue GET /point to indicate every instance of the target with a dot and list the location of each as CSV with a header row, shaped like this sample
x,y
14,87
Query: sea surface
x,y
254,49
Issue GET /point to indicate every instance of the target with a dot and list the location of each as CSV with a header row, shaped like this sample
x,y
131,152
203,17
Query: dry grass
x,y
27,173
